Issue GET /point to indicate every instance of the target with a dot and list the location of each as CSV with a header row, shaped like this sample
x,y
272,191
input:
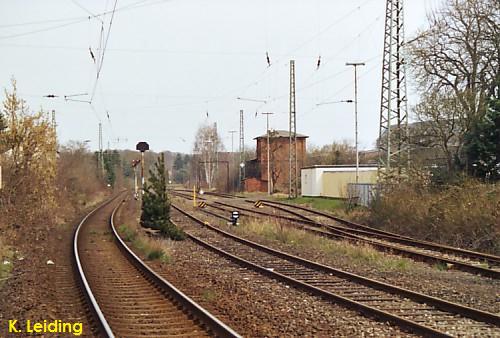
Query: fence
x,y
362,193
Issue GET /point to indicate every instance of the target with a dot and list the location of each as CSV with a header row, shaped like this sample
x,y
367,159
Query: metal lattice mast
x,y
292,146
242,151
393,134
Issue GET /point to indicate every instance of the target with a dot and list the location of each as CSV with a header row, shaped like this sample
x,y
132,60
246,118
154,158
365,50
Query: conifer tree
x,y
483,142
156,204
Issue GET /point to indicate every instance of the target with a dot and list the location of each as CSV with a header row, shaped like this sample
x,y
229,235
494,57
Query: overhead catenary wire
x,y
101,61
324,30
77,21
87,11
72,21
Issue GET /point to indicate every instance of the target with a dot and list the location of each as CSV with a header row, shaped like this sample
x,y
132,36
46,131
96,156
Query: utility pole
x,y
242,152
232,158
134,166
268,155
292,134
216,144
394,150
232,139
355,65
101,155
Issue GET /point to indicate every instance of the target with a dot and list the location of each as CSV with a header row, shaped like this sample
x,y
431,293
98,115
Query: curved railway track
x,y
415,312
127,298
327,225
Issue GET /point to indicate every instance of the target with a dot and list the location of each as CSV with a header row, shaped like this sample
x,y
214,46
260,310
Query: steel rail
x,y
213,323
94,306
343,234
424,244
210,322
441,304
490,259
371,230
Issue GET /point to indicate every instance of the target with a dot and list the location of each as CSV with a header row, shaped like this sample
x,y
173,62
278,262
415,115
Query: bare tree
x,y
442,126
456,62
335,153
207,145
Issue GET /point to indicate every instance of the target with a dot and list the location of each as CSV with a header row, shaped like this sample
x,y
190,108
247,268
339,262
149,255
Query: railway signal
x,y
142,147
235,215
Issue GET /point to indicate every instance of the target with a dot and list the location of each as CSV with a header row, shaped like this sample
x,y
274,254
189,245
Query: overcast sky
x,y
169,63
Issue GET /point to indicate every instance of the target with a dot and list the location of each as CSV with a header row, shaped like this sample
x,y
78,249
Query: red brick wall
x,y
280,147
255,185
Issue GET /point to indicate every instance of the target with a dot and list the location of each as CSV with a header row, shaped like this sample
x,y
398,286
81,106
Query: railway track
x,y
415,312
467,260
127,298
327,225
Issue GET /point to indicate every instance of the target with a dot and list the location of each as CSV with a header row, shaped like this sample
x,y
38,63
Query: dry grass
x,y
358,254
465,215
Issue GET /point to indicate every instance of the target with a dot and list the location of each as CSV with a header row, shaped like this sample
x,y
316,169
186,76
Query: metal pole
x,y
241,165
268,155
355,65
135,182
142,172
292,145
232,139
101,155
232,156
268,159
228,180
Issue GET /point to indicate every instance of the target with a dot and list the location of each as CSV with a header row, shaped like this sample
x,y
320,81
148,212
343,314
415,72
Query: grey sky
x,y
169,62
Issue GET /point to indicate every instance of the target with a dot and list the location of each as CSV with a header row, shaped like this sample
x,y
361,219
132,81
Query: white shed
x,y
332,180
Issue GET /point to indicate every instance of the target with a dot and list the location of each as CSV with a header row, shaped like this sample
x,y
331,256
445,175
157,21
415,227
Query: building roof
x,y
280,133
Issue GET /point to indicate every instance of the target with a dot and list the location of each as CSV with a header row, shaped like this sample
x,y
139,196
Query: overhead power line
x,y
74,20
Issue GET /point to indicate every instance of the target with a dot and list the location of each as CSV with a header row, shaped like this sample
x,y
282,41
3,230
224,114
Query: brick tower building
x,y
256,169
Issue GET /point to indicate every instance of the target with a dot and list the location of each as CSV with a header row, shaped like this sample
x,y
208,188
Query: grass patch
x,y
155,254
320,203
208,295
127,234
300,239
441,266
151,248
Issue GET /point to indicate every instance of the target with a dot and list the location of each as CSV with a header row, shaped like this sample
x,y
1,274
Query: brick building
x,y
256,169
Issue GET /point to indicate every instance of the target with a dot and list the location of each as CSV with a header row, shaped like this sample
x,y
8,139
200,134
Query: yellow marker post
x,y
194,196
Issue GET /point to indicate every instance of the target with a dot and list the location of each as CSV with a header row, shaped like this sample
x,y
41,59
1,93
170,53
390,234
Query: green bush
x,y
154,254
